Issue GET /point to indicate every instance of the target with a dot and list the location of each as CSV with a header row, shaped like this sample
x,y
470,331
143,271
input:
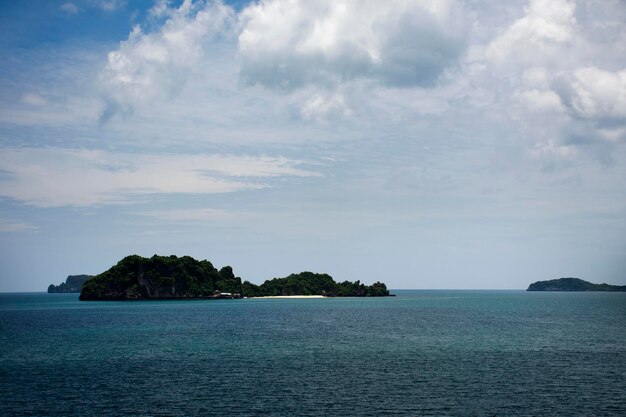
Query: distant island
x,y
572,284
172,277
73,283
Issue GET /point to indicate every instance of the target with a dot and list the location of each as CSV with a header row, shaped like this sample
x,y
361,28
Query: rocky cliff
x,y
73,283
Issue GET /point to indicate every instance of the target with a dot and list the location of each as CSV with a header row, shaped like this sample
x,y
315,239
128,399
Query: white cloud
x,y
550,150
536,77
595,100
156,65
190,215
593,93
541,61
287,44
34,100
321,45
69,8
110,5
11,226
540,101
61,177
352,66
537,37
321,106
161,8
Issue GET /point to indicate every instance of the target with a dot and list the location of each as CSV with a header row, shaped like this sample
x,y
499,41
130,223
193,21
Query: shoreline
x,y
290,296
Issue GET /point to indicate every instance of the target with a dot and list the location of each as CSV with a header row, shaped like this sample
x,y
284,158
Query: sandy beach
x,y
292,296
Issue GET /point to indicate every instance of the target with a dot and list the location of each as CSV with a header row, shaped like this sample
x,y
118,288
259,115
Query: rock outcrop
x,y
73,283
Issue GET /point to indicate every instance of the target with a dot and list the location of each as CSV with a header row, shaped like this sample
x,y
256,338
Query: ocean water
x,y
464,353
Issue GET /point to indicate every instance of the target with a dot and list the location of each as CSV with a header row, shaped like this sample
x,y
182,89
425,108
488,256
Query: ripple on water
x,y
421,353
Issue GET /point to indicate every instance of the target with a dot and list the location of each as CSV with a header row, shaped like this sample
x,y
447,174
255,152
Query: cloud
x,y
549,151
193,215
62,177
34,100
537,37
541,101
321,106
593,104
311,50
593,93
541,60
276,71
110,5
290,44
11,226
69,8
156,65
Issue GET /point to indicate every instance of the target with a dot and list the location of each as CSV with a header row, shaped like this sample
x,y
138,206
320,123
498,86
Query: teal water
x,y
420,353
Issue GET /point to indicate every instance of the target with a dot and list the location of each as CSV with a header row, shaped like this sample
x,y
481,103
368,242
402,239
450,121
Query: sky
x,y
453,144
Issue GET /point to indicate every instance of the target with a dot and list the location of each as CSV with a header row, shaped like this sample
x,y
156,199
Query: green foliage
x,y
228,282
309,283
135,277
572,284
250,290
161,277
377,289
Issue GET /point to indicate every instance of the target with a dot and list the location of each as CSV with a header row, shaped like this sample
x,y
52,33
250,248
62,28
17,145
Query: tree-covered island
x,y
73,283
172,277
572,284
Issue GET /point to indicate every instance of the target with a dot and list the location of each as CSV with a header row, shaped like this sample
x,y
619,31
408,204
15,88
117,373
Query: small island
x,y
572,284
172,277
72,284
309,283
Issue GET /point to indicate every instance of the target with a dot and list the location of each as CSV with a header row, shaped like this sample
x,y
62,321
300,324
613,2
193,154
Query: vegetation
x,y
73,283
160,277
309,283
136,277
572,284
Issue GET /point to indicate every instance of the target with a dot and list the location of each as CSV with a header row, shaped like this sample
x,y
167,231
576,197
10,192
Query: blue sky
x,y
426,144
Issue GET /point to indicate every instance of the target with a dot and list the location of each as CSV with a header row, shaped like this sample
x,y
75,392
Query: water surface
x,y
420,353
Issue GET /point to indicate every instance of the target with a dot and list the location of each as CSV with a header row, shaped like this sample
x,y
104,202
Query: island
x,y
72,284
572,284
172,277
309,283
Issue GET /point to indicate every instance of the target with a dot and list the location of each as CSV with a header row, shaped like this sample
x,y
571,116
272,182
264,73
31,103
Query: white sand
x,y
292,296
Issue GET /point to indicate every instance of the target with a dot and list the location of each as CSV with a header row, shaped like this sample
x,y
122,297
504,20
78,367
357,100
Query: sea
x,y
421,353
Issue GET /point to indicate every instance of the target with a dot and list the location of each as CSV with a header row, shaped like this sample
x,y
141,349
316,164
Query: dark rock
x,y
73,283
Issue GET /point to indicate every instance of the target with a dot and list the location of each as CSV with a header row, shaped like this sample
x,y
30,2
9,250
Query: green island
x,y
172,277
572,284
73,283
